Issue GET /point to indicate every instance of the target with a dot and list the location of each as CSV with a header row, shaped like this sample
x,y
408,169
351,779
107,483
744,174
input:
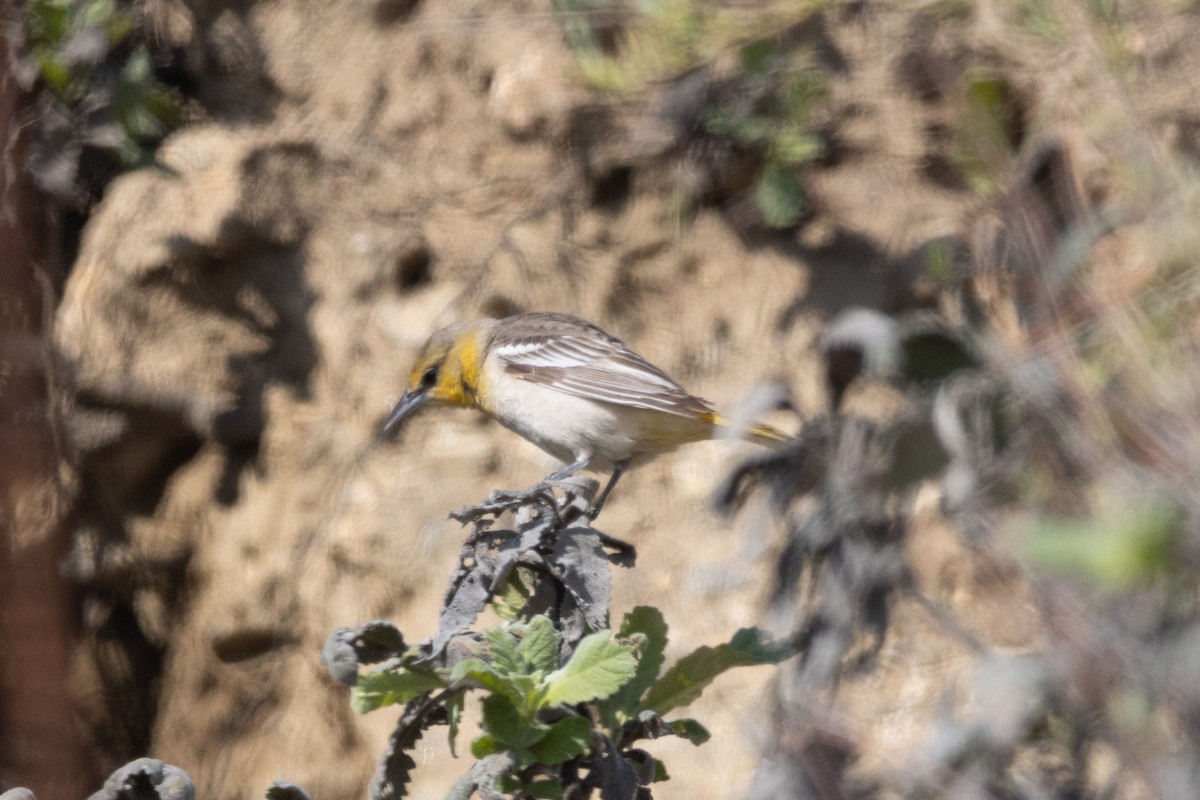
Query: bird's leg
x,y
618,470
569,469
584,488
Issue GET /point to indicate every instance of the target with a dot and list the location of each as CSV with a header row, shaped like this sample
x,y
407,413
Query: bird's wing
x,y
575,357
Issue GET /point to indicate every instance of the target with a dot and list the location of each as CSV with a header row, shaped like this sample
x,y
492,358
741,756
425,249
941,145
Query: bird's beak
x,y
410,402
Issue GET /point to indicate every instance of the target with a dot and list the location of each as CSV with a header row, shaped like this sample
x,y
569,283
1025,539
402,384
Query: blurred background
x,y
227,225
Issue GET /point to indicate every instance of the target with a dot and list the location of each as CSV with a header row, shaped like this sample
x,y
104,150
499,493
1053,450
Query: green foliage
x,y
691,730
768,109
645,627
625,49
779,196
385,688
542,710
686,680
989,130
512,597
1124,547
764,106
86,57
1040,18
599,667
454,710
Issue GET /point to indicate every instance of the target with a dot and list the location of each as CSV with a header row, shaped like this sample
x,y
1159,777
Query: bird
x,y
566,385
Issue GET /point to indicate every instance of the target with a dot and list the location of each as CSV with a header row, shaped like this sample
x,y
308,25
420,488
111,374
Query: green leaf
x,y
779,195
989,131
547,789
504,722
485,745
796,146
49,21
454,710
119,26
660,772
646,626
479,671
95,13
475,669
566,739
137,70
1125,545
599,667
687,679
721,122
501,718
512,597
539,649
389,687
140,103
508,784
522,759
502,650
55,73
752,129
757,58
691,730
942,258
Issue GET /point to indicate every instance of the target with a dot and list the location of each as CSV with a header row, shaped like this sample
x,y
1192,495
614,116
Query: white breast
x,y
564,425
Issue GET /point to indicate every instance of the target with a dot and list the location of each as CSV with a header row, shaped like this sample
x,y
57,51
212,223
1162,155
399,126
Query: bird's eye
x,y
429,378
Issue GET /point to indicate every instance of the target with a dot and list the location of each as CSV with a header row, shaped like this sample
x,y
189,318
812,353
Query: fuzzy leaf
x,y
539,648
145,777
598,667
485,745
548,789
618,780
376,641
483,777
501,719
566,739
391,780
691,730
454,710
479,671
466,597
687,679
645,623
1125,545
511,730
779,196
512,597
586,573
389,687
503,653
475,669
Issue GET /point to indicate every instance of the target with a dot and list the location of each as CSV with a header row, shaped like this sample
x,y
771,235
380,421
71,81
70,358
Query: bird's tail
x,y
765,435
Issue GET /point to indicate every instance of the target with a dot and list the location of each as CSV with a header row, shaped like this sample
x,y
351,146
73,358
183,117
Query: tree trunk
x,y
38,745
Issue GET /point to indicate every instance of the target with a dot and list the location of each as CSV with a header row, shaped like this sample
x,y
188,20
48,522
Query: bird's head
x,y
446,372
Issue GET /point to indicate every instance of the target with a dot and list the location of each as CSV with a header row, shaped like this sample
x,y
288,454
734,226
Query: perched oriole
x,y
564,384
